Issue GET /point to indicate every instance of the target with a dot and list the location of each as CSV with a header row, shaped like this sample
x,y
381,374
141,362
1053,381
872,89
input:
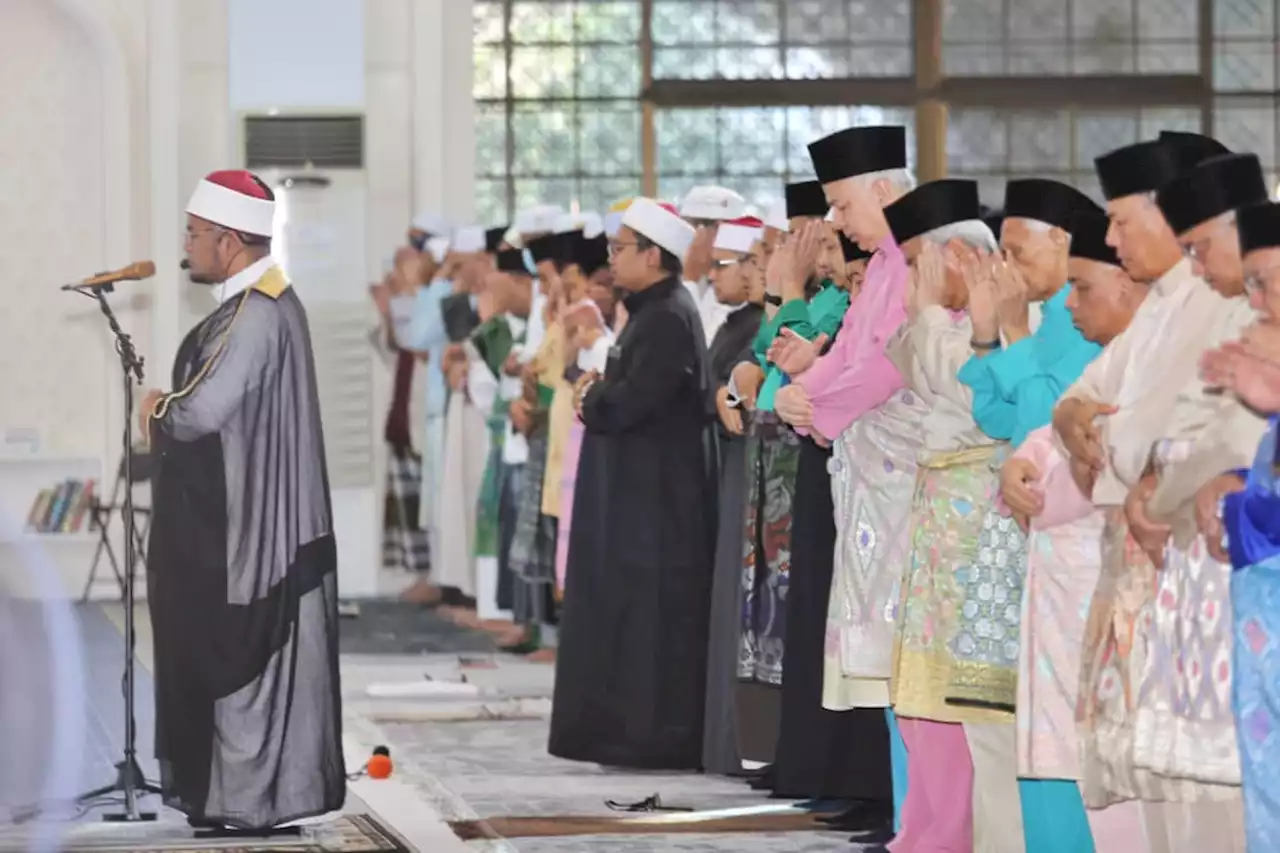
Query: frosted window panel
x,y
680,63
491,201
531,191
295,54
751,141
534,22
818,63
489,72
817,21
1038,60
1152,120
605,21
1247,124
491,139
1038,20
881,61
487,21
609,139
973,20
1167,20
976,141
1243,17
753,63
686,141
885,21
608,72
599,194
545,139
673,188
542,72
1039,141
748,22
1244,65
684,22
1100,133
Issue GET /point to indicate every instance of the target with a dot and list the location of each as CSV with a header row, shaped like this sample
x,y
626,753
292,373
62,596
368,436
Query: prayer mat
x,y
356,833
661,823
400,627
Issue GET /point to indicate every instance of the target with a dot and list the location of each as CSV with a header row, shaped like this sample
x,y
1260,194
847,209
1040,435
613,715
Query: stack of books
x,y
61,509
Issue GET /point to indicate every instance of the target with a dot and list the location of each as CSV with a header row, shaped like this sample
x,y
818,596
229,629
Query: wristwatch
x,y
985,345
773,299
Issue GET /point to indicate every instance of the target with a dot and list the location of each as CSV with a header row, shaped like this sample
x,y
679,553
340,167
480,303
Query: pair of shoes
x,y
877,838
764,781
861,816
524,647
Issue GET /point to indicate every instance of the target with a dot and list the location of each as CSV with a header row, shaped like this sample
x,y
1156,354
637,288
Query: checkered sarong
x,y
404,544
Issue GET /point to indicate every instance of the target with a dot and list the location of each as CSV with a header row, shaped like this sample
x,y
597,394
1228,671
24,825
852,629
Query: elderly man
x,y
1133,385
1015,377
1064,559
1250,367
855,166
705,208
631,671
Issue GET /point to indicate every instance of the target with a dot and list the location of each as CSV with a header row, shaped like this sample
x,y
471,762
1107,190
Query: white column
x,y
164,76
444,134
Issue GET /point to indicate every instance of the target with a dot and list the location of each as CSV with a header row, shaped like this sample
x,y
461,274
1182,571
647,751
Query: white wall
x,y
296,53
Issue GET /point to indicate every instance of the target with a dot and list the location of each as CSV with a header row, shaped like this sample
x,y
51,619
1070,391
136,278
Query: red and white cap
x,y
739,235
234,199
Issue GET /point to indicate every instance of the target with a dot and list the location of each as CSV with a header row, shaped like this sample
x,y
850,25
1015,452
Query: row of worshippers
x,y
955,541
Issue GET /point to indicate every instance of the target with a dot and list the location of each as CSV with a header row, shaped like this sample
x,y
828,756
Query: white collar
x,y
244,279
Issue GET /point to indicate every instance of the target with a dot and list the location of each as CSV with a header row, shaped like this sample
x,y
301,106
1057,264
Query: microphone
x,y
185,265
134,272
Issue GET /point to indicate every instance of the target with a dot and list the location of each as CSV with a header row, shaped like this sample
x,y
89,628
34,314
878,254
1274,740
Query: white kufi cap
x,y
431,223
715,203
777,216
660,224
468,239
737,238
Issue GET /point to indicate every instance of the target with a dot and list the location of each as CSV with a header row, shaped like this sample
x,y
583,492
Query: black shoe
x,y
879,836
764,780
861,816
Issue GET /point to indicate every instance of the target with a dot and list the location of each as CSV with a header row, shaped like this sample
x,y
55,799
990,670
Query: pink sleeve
x,y
827,367
862,386
1063,500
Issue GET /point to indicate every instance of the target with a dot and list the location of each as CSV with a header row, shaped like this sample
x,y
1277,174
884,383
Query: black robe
x,y
821,753
242,572
631,665
731,346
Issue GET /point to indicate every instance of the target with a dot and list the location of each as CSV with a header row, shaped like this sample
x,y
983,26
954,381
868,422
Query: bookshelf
x,y
31,561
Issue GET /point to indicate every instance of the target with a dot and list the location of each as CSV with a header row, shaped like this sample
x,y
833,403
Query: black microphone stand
x,y
129,779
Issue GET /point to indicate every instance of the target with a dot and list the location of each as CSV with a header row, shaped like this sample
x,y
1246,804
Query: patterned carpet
x,y
400,628
477,768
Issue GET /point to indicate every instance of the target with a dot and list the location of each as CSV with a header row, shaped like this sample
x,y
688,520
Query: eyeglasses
x,y
616,246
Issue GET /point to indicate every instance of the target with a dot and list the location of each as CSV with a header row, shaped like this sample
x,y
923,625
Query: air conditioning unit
x,y
314,162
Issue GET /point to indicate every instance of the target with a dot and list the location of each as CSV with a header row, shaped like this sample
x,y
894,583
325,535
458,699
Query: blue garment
x,y
425,332
1015,389
1053,817
1251,518
897,767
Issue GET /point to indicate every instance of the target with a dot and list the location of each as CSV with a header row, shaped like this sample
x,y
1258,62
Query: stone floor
x,y
458,755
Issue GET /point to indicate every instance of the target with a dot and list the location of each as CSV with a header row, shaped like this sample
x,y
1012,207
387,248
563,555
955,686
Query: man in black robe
x,y
631,671
242,569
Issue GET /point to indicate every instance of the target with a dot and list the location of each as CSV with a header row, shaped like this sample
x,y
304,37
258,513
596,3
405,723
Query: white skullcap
x,y
777,216
612,222
715,203
737,238
468,239
538,219
234,199
587,222
513,238
661,225
431,223
438,247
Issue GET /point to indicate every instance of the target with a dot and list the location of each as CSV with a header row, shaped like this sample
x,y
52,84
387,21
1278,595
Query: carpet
x,y
399,627
542,827
345,834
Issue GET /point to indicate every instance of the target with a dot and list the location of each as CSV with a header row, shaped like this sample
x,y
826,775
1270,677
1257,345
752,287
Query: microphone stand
x,y
129,779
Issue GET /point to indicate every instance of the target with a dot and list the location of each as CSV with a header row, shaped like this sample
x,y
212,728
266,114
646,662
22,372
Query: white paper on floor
x,y
423,688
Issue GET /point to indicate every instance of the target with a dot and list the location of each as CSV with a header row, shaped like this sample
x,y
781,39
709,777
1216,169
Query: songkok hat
x,y
776,217
859,151
1259,226
548,247
1217,186
1088,230
234,199
852,251
931,206
1143,167
660,223
493,238
513,261
739,235
430,223
591,253
806,198
438,247
1192,148
715,203
468,239
1050,202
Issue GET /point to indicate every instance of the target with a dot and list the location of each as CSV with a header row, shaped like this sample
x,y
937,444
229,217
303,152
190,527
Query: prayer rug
x,y
401,627
356,833
666,823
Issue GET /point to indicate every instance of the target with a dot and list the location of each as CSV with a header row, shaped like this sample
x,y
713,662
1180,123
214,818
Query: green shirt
x,y
821,315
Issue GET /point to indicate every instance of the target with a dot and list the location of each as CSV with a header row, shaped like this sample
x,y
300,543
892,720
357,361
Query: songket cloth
x,y
948,511
873,481
1252,519
773,454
